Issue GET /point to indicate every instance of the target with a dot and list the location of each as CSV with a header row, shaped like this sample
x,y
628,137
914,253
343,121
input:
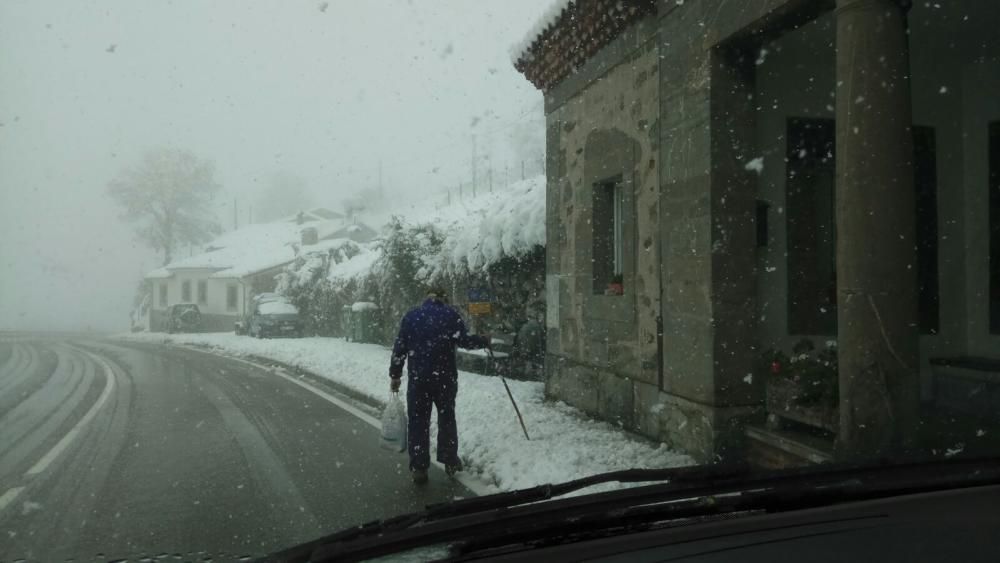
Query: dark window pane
x,y
811,225
994,187
925,176
608,233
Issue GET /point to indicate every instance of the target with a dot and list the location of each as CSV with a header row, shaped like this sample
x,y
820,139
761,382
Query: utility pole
x,y
474,166
522,169
236,217
491,179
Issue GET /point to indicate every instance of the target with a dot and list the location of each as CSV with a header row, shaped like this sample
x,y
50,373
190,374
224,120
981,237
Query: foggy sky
x,y
258,87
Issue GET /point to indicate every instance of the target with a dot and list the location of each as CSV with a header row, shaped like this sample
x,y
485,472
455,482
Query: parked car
x,y
183,317
274,318
242,326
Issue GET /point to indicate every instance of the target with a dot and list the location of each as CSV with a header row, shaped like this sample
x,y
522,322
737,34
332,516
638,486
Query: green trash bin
x,y
363,325
346,322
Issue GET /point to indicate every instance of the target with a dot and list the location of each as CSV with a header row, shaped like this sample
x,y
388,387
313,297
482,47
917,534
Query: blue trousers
x,y
420,396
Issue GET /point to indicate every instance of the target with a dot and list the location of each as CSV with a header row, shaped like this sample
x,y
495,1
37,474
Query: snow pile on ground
x,y
564,444
480,232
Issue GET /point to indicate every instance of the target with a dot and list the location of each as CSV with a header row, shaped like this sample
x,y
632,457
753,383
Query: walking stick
x,y
509,394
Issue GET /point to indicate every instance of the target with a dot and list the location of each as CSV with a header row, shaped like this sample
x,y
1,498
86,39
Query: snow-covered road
x,y
564,444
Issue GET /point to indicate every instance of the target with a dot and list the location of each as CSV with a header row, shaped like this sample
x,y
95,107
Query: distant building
x,y
243,263
727,178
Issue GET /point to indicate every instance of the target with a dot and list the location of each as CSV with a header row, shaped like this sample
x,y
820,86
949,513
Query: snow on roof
x,y
315,214
521,49
570,32
326,213
243,252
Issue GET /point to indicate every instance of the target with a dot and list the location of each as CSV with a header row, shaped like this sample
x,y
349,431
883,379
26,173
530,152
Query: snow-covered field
x,y
564,444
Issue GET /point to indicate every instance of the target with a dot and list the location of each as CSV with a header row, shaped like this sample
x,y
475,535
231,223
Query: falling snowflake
x,y
755,165
951,452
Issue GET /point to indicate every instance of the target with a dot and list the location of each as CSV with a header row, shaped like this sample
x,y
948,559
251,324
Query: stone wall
x,y
603,125
668,106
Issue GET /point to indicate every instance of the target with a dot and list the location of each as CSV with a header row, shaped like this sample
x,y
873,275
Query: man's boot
x,y
451,470
419,476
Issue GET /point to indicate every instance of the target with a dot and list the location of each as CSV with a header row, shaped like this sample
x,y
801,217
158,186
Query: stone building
x,y
726,178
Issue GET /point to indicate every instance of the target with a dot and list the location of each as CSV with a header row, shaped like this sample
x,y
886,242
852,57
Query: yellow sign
x,y
480,308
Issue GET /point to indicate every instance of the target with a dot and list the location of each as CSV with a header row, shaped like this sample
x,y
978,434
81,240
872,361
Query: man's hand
x,y
394,384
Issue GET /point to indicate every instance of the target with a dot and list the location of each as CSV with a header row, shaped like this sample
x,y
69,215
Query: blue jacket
x,y
427,339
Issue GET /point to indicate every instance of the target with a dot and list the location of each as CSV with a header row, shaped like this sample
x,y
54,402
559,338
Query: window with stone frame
x,y
994,203
163,294
186,291
231,297
608,236
202,292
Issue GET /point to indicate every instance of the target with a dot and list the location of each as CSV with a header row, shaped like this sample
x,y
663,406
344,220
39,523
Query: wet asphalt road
x,y
111,450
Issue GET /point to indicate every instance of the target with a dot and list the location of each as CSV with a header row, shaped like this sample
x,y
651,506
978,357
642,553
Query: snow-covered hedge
x,y
495,240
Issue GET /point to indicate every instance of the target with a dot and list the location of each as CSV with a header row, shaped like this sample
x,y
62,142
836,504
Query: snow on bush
x,y
494,226
564,443
488,236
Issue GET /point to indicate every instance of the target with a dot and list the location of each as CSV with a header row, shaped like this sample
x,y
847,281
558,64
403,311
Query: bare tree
x,y
169,194
284,194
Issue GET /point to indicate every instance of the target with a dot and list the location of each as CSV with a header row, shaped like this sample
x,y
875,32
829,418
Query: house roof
x,y
569,33
246,251
314,214
358,232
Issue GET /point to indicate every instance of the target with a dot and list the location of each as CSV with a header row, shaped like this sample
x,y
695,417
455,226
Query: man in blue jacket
x,y
427,339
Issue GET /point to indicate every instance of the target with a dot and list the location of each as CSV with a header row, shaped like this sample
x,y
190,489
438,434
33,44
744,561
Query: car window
x,y
754,237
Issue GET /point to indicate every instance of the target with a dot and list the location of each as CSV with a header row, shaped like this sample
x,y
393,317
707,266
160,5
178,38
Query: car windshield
x,y
277,308
445,249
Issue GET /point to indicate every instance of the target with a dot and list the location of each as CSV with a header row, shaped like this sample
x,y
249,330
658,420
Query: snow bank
x,y
564,444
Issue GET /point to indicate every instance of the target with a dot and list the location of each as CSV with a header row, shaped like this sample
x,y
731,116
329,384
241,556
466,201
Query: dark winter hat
x,y
437,292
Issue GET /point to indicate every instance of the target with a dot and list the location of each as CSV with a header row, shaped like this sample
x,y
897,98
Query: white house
x,y
238,265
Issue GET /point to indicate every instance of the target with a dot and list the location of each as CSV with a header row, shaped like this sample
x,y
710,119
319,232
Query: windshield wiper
x,y
676,493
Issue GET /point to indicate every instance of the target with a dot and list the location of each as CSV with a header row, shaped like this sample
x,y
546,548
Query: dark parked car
x,y
274,318
183,317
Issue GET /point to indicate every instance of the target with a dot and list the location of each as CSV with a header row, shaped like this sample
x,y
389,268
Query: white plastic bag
x,y
393,437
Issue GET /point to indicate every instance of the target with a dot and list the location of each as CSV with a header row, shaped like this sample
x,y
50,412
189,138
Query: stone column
x,y
876,254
